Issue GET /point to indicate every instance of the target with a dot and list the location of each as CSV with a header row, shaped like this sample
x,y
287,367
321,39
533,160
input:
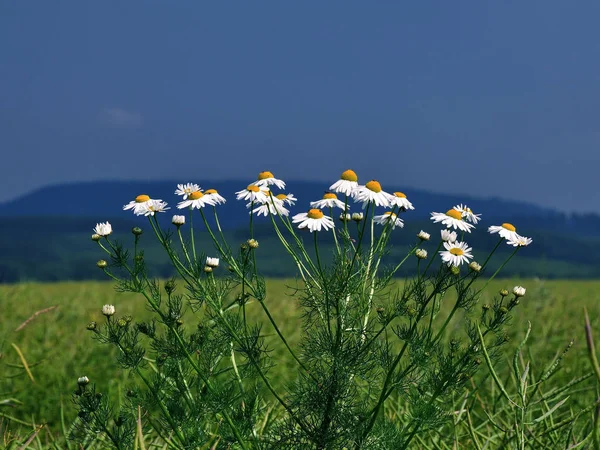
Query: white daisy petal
x,y
371,192
346,184
314,220
398,199
267,179
506,231
468,214
186,189
456,253
389,217
196,200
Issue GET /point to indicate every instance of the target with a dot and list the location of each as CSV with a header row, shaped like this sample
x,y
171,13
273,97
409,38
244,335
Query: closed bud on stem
x,y
108,310
455,270
92,326
252,243
101,264
421,253
137,231
357,217
208,269
82,381
423,235
503,292
519,291
96,237
475,267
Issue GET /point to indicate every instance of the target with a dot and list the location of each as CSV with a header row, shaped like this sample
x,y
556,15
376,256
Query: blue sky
x,y
488,98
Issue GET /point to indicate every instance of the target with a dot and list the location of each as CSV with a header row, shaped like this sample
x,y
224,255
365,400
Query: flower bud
x,y
423,235
108,310
519,291
137,231
503,292
82,381
421,253
178,221
345,217
475,267
212,262
503,310
92,326
455,270
357,217
96,237
208,269
252,243
448,236
101,264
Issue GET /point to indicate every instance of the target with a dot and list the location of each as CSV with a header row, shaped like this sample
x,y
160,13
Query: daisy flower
x,y
214,196
371,192
468,214
103,229
272,206
212,262
389,217
138,205
421,253
452,219
346,184
267,179
506,230
517,241
287,198
456,253
314,220
252,193
519,291
399,199
186,189
448,236
329,200
196,200
154,206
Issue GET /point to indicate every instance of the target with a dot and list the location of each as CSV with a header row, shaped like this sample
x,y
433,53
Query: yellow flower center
x,y
374,186
454,214
142,198
265,175
389,213
457,251
210,191
349,175
509,226
253,188
400,194
315,214
195,195
281,196
329,196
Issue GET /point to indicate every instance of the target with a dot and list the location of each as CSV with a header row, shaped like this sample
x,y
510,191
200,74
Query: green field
x,y
58,349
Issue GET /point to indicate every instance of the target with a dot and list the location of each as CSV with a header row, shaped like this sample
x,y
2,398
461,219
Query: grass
x,y
40,363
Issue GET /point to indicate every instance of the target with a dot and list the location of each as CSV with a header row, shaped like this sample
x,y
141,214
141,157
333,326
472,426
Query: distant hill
x,y
102,200
45,235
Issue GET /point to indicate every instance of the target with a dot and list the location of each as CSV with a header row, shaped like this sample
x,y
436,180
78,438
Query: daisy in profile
x,y
267,179
329,200
251,194
452,219
196,200
313,220
399,199
287,198
389,217
214,196
154,206
271,205
456,253
139,205
518,241
506,230
186,189
468,214
103,229
346,184
371,192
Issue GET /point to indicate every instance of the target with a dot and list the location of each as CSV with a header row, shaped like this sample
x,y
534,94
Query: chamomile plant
x,y
368,337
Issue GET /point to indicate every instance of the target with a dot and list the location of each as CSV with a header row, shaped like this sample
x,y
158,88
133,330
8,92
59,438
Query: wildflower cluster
x,y
366,338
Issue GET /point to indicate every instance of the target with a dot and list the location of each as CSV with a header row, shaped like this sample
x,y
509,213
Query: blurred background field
x,y
58,349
